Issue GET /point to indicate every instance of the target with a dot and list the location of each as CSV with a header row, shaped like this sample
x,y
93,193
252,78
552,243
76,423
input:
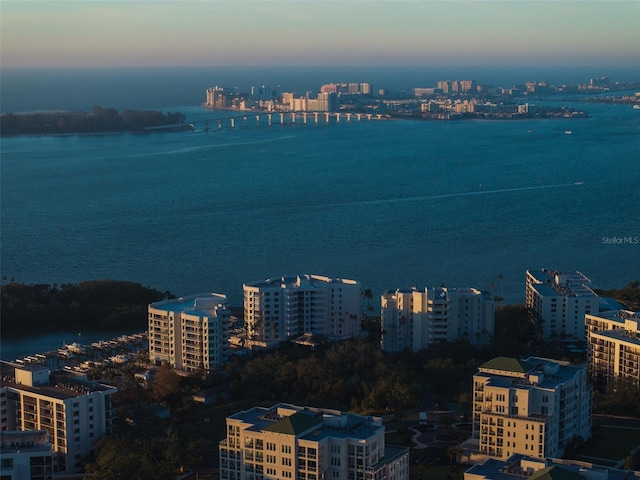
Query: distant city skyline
x,y
221,33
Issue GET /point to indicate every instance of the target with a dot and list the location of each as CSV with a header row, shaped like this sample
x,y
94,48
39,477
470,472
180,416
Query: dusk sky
x,y
209,33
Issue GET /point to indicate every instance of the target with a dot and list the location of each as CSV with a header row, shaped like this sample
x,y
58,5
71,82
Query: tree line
x,y
90,306
629,294
99,120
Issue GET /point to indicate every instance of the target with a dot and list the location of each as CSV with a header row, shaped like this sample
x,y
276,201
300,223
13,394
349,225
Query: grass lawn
x,y
436,472
400,437
612,443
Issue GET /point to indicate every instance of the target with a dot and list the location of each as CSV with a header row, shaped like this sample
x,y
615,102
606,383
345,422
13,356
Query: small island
x,y
99,120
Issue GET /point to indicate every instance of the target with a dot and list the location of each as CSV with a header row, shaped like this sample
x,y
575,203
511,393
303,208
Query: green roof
x,y
508,364
555,473
294,424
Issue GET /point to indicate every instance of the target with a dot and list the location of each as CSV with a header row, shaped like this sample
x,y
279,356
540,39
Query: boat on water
x,y
568,132
76,347
66,354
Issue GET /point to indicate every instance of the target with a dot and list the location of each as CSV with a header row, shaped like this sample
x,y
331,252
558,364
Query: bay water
x,y
391,203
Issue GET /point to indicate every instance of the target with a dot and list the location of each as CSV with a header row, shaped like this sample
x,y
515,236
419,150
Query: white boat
x,y
568,132
636,107
76,347
64,353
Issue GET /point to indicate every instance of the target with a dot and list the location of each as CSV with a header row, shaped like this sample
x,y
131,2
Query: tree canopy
x,y
97,121
93,305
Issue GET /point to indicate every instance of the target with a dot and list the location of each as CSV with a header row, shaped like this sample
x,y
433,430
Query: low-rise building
x,y
414,319
26,455
532,407
520,467
613,346
306,443
190,333
73,411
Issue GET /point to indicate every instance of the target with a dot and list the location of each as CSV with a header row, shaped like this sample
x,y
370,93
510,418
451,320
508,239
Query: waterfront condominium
x,y
613,342
305,443
532,407
190,333
414,319
285,308
73,412
559,301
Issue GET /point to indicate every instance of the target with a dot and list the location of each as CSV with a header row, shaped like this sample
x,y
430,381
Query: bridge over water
x,y
288,118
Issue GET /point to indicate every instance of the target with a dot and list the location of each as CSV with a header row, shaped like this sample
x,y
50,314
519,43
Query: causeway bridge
x,y
288,118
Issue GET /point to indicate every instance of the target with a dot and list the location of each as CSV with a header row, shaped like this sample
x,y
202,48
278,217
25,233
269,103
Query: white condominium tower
x,y
413,319
190,333
283,308
614,346
559,301
533,407
306,443
73,412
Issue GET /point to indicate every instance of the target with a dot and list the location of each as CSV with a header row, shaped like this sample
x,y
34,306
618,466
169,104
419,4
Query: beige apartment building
x,y
613,346
285,308
414,319
533,407
306,443
73,412
190,333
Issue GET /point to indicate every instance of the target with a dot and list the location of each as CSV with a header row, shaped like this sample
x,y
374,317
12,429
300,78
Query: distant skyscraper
x,y
217,97
468,86
445,86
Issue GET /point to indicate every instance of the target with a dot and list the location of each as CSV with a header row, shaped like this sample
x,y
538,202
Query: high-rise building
x,y
284,308
559,302
26,456
414,319
190,333
445,86
613,343
468,86
73,412
532,407
306,443
218,97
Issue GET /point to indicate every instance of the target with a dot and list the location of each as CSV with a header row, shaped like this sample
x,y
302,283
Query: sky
x,y
120,33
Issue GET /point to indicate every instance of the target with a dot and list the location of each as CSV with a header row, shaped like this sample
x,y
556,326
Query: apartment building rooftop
x,y
519,467
554,282
59,384
200,304
295,281
31,441
311,422
621,335
534,371
620,315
